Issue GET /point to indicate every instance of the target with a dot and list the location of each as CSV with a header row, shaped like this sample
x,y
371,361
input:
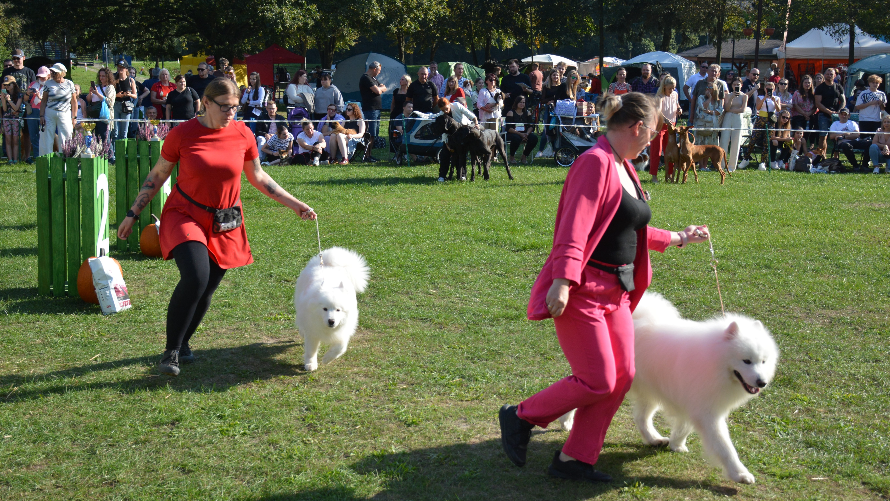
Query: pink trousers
x,y
597,337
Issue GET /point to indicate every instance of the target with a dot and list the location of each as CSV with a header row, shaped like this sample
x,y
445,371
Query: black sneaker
x,y
371,159
169,363
185,355
576,470
515,434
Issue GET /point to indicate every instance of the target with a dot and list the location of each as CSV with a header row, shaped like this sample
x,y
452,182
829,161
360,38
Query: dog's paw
x,y
310,366
680,448
742,477
659,442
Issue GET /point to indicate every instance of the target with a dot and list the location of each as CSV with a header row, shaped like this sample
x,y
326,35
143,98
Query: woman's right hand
x,y
125,228
557,297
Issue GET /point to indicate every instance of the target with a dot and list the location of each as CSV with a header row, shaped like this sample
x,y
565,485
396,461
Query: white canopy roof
x,y
551,59
819,44
590,65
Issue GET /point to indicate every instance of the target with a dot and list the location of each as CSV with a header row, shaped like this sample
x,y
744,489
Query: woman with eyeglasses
x,y
345,144
212,151
574,82
489,104
784,96
780,141
592,280
803,108
11,104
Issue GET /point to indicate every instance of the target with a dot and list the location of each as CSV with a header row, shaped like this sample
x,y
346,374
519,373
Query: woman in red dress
x,y
212,151
590,284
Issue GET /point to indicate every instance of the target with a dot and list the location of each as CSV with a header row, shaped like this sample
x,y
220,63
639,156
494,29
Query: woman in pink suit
x,y
590,284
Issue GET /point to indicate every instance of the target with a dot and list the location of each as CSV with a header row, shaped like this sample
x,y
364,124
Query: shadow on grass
x,y
375,181
215,370
26,301
18,251
18,227
481,471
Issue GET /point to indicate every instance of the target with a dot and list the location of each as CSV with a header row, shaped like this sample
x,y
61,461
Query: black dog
x,y
482,145
455,153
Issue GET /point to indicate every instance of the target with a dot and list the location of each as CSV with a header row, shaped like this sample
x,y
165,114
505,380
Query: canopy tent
x,y
548,60
874,65
819,44
680,68
592,65
187,63
349,71
470,71
265,62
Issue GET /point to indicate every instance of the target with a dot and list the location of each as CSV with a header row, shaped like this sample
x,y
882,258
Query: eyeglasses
x,y
202,69
755,74
784,117
224,107
654,132
783,83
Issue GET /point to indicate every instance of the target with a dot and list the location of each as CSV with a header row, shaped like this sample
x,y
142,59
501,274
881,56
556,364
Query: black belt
x,y
610,268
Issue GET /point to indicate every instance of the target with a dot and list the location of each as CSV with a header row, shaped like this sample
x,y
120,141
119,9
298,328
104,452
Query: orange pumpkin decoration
x,y
149,240
85,288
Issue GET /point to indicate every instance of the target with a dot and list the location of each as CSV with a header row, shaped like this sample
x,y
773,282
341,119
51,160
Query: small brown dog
x,y
672,155
336,128
690,154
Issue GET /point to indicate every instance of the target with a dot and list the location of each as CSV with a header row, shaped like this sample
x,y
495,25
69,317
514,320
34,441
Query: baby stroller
x,y
574,134
418,139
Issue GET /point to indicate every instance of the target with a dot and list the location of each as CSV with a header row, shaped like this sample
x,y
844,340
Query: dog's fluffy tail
x,y
652,309
351,262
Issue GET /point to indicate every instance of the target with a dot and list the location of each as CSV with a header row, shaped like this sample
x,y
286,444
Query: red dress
x,y
210,166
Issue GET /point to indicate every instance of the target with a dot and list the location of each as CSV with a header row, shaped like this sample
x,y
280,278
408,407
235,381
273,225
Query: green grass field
x,y
410,411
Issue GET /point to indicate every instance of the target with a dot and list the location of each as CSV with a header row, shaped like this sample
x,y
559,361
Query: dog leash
x,y
714,265
318,237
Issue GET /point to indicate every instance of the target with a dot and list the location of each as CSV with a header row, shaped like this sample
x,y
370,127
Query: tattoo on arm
x,y
272,188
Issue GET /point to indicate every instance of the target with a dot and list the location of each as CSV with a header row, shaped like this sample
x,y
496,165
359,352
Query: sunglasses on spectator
x,y
783,83
202,69
785,117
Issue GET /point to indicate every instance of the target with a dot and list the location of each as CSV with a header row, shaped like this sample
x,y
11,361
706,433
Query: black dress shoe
x,y
515,434
576,470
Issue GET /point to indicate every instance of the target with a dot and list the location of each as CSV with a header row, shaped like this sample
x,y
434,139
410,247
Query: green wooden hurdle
x,y
72,219
132,168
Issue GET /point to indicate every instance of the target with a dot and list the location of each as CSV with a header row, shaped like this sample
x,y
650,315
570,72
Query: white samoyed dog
x,y
697,372
327,311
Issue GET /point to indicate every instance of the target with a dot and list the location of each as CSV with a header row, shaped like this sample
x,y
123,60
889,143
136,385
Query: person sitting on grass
x,y
310,146
279,146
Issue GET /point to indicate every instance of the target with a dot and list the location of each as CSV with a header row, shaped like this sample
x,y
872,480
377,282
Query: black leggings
x,y
515,141
199,276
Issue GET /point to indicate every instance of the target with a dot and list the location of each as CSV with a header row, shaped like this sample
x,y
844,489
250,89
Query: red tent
x,y
264,62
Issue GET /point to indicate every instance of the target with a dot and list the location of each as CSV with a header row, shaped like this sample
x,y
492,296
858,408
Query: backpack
x,y
296,115
831,165
802,164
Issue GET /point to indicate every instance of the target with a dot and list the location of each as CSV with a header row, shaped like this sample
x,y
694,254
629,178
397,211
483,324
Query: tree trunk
x,y
488,48
852,44
666,39
473,51
434,49
400,38
720,33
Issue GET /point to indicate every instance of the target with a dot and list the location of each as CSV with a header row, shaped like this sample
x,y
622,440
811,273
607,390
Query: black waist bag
x,y
223,219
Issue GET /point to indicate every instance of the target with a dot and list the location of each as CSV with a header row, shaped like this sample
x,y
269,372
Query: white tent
x,y
590,66
679,67
549,59
350,70
819,44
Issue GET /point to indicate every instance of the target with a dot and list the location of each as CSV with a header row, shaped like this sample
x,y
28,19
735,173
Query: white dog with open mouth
x,y
325,300
698,372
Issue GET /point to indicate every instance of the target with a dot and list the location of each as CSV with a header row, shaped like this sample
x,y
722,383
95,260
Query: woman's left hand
x,y
696,234
305,212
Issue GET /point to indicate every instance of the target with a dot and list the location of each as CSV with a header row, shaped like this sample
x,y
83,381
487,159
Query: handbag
x,y
223,219
94,109
104,114
565,108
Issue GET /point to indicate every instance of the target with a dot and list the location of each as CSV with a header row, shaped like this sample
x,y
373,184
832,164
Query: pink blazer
x,y
589,200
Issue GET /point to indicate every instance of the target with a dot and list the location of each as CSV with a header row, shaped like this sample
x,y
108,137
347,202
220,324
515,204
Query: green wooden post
x,y
71,254
57,202
120,187
44,228
144,169
133,186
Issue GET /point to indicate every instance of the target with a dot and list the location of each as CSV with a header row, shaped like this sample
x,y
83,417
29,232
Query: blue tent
x,y
349,71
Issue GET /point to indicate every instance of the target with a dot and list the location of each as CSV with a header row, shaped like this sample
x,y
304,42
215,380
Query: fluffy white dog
x,y
325,301
698,372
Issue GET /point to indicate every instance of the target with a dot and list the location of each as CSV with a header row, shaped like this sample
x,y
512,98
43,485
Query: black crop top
x,y
619,243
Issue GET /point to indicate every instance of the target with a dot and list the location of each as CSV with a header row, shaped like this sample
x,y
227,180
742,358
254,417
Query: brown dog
x,y
691,154
672,155
336,128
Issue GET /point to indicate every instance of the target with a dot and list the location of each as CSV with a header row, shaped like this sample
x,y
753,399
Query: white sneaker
x,y
539,154
762,166
743,164
441,179
878,170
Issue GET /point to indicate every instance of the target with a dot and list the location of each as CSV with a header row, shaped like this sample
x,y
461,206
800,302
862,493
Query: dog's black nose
x,y
761,383
331,323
